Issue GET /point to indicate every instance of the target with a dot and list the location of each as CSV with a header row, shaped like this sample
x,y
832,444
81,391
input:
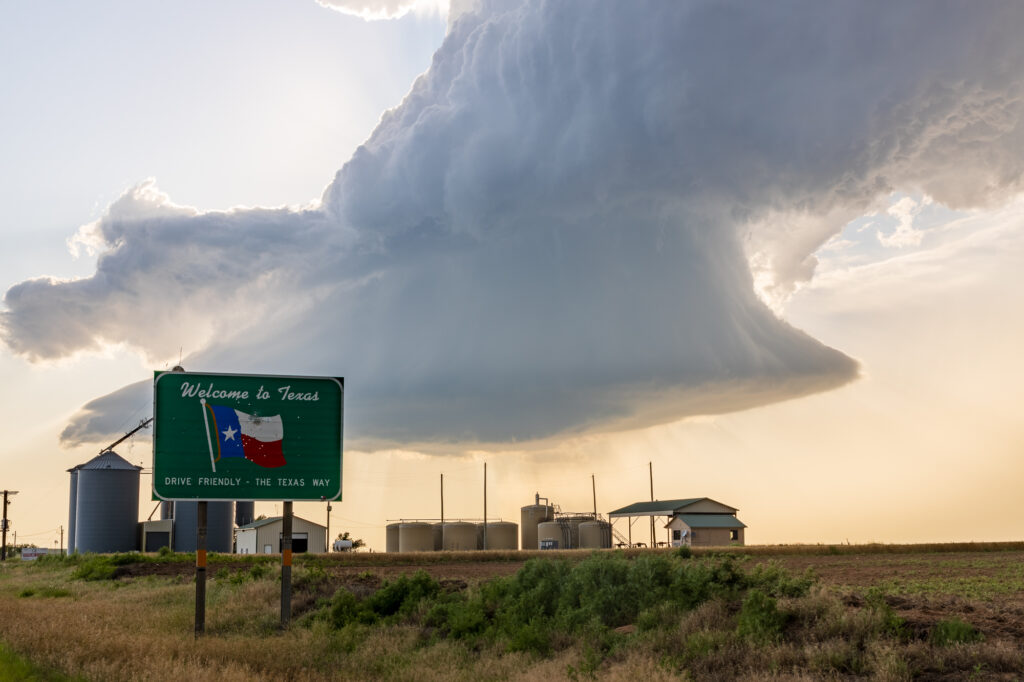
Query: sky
x,y
771,253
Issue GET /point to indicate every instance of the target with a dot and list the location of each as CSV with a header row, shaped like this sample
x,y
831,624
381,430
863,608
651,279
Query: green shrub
x,y
165,552
95,567
760,619
890,623
27,592
954,631
683,552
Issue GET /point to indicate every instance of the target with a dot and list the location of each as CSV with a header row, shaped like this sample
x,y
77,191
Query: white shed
x,y
264,536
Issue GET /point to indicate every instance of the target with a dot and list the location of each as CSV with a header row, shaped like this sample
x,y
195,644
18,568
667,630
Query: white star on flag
x,y
230,433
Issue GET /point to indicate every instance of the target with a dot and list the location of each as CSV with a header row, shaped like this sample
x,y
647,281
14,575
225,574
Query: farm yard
x,y
788,612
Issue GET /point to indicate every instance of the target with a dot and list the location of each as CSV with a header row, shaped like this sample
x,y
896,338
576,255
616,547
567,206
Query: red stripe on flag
x,y
266,454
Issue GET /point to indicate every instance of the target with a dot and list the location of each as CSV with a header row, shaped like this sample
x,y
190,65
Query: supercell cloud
x,y
573,219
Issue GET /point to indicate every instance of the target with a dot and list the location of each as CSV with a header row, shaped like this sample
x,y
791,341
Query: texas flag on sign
x,y
238,434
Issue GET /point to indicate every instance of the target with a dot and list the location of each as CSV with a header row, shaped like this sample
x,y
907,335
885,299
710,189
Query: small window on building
x,y
734,534
677,535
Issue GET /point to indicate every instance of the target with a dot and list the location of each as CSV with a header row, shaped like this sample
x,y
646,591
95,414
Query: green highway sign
x,y
246,437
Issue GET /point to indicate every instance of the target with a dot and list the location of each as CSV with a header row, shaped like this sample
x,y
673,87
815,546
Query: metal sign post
x,y
200,568
286,565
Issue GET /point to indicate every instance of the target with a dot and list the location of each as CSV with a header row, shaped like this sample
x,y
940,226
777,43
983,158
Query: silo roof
x,y
108,460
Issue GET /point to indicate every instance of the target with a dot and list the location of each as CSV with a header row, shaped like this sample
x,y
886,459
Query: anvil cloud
x,y
560,227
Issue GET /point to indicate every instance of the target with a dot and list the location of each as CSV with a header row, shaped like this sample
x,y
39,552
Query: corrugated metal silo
x,y
166,510
391,534
500,535
107,505
552,535
458,536
220,517
245,512
72,504
530,517
415,536
595,535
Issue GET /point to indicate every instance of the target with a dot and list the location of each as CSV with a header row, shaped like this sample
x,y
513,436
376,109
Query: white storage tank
x,y
595,535
415,536
500,535
530,516
391,537
107,504
552,535
458,536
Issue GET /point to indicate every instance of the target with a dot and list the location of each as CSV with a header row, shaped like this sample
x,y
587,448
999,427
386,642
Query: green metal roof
x,y
711,521
656,508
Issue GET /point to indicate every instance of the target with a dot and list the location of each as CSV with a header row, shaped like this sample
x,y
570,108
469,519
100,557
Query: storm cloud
x,y
573,219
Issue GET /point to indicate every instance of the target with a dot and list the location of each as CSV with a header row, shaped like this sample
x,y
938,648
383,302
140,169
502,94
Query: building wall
x,y
715,537
270,534
704,537
245,541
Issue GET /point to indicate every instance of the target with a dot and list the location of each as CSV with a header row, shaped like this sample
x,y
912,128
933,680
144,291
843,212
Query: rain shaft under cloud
x,y
560,227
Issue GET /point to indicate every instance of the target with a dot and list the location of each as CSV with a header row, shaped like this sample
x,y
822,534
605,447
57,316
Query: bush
x,y
760,619
551,600
954,631
95,567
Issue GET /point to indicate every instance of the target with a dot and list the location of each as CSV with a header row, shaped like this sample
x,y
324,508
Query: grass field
x,y
798,612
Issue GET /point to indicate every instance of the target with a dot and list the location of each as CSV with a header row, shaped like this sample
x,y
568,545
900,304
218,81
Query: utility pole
x,y
442,500
650,469
6,524
593,489
485,505
61,540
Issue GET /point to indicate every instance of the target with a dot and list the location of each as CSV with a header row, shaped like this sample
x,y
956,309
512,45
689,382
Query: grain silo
x,y
552,535
166,510
530,517
595,535
107,504
220,517
438,536
458,536
500,535
415,536
391,537
245,513
72,504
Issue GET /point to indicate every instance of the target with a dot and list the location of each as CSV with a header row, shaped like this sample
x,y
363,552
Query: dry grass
x,y
141,629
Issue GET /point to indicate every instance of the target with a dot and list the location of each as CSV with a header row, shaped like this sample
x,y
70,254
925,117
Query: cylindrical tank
x,y
166,510
530,516
458,536
107,505
438,536
245,512
220,518
391,535
500,535
573,529
415,536
595,535
552,535
72,504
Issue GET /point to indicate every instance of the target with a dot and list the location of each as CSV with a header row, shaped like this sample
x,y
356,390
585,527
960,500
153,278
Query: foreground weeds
x,y
608,616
